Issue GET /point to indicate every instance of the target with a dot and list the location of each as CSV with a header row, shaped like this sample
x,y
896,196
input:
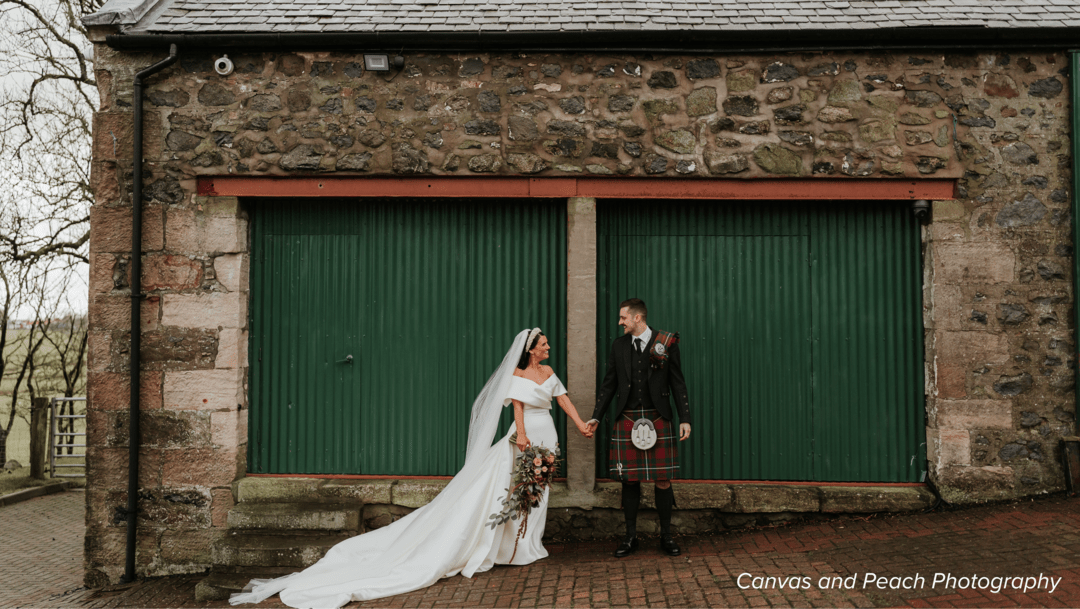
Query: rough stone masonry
x,y
997,289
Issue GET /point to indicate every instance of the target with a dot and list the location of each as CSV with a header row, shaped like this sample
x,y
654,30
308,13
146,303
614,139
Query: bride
x,y
452,534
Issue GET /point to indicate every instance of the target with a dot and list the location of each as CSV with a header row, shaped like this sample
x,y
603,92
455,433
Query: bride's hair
x,y
524,361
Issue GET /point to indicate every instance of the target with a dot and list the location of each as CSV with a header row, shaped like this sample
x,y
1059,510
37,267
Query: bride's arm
x,y
519,424
568,407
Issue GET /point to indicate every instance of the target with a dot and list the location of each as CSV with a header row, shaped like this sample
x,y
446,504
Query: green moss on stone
x,y
655,108
743,80
845,93
885,103
701,102
774,158
680,140
914,118
942,137
875,131
836,136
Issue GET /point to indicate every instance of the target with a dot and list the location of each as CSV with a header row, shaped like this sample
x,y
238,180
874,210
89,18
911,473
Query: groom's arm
x,y
677,382
607,388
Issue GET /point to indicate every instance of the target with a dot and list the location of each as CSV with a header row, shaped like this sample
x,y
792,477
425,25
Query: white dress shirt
x,y
644,336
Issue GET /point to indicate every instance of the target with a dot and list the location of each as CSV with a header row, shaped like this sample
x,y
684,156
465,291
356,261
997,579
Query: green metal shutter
x,y
801,332
426,295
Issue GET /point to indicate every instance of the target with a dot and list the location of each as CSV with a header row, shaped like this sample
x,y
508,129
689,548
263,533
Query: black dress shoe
x,y
668,545
626,548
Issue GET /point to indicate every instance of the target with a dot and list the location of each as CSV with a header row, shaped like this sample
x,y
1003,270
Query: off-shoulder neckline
x,y
534,382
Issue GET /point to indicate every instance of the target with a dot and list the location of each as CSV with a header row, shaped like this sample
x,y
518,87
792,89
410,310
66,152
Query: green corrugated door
x,y
801,332
425,295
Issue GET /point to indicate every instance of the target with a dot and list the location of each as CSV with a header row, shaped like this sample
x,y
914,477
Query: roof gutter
x,y
625,41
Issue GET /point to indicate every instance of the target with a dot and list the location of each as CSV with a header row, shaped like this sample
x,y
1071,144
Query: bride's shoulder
x,y
518,372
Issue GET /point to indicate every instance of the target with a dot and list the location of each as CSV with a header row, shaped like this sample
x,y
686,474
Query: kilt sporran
x,y
628,463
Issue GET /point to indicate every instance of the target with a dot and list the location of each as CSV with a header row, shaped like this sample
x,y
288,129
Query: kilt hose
x,y
629,463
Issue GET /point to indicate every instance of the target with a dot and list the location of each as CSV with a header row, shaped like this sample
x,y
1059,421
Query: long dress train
x,y
448,536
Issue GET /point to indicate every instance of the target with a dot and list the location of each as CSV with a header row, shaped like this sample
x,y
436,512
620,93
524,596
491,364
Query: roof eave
x,y
657,41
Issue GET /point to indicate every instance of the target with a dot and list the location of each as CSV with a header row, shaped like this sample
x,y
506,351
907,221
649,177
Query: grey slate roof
x,y
280,16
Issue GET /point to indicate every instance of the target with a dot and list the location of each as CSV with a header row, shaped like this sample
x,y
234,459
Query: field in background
x,y
18,444
48,383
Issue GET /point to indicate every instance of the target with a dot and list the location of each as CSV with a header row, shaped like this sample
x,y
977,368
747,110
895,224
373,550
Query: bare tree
x,y
44,352
47,103
48,96
19,345
59,367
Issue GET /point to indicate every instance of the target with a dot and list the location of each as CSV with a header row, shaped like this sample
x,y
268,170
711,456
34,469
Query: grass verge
x,y
20,479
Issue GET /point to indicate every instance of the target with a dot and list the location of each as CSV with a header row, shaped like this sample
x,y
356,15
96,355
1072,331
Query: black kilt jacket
x,y
664,383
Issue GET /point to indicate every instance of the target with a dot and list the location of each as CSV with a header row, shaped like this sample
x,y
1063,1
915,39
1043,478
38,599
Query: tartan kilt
x,y
661,462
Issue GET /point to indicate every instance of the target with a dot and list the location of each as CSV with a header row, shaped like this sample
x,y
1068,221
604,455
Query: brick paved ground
x,y
41,549
1022,539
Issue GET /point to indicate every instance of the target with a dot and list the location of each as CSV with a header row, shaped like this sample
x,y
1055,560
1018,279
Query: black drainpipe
x,y
136,301
1074,85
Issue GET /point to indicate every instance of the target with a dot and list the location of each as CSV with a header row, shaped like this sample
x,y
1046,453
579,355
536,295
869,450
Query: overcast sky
x,y
15,77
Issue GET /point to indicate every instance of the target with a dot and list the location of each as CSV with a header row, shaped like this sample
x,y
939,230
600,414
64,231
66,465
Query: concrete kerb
x,y
37,491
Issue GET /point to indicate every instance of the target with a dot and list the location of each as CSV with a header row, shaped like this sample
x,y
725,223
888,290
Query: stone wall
x,y
1000,349
998,291
819,115
193,399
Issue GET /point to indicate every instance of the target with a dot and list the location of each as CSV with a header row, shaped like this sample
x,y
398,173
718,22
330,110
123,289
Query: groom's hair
x,y
635,306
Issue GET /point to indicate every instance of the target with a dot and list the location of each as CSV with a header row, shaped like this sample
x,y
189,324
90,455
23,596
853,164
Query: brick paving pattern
x,y
41,555
1021,539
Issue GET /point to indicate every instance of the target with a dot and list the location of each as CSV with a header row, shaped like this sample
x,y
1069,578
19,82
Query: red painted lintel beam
x,y
826,189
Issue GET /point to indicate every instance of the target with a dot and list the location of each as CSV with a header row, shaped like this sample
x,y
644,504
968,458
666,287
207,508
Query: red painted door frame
x,y
817,189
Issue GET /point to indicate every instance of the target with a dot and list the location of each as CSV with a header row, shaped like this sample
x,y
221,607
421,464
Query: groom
x,y
644,368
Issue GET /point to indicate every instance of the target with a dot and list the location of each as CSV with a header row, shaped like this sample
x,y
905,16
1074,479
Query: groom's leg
x,y
631,499
665,500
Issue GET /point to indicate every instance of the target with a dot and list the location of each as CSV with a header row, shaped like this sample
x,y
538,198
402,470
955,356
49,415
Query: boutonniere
x,y
662,348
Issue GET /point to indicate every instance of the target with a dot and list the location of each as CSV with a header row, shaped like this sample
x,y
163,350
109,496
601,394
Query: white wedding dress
x,y
450,535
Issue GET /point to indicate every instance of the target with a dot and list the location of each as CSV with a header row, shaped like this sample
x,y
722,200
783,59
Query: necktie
x,y
637,343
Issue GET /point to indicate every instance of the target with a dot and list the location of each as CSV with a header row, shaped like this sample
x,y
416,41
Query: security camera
x,y
922,211
223,65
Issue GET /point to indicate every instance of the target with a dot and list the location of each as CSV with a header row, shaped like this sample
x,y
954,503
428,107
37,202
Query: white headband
x,y
532,335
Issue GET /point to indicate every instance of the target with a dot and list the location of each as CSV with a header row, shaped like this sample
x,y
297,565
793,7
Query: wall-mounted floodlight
x,y
377,63
383,62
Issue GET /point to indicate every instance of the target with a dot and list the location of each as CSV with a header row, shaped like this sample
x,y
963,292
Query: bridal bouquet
x,y
534,471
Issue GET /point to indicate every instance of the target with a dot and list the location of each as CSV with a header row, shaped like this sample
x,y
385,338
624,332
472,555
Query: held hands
x,y
684,431
591,426
585,430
